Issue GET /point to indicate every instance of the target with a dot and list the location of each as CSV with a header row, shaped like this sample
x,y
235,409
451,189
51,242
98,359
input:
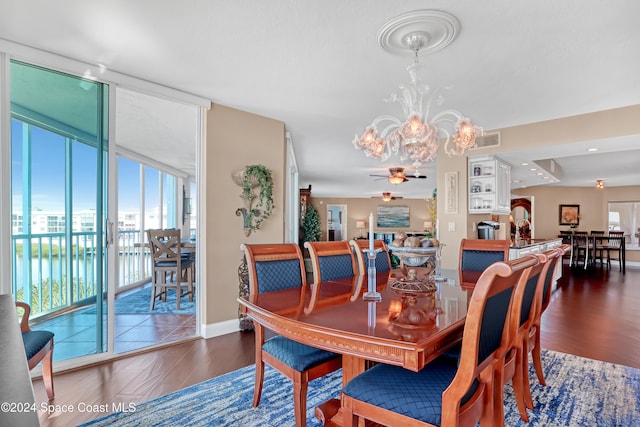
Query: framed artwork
x,y
393,216
569,215
451,192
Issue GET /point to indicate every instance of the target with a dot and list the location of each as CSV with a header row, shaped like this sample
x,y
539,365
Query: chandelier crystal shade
x,y
416,135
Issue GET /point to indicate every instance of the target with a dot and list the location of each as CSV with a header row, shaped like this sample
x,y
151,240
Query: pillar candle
x,y
371,231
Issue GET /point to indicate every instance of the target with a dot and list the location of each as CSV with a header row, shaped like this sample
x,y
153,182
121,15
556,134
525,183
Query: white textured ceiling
x,y
316,66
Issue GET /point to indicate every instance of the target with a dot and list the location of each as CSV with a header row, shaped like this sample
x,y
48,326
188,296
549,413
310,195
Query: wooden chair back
x,y
476,255
167,258
331,260
165,247
383,259
487,338
273,267
616,248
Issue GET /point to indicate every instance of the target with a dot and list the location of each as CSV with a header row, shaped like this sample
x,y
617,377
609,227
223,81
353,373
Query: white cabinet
x,y
489,185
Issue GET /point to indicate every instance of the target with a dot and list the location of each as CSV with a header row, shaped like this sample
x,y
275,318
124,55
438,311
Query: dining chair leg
x,y
178,289
154,288
526,386
259,377
518,382
537,358
300,386
191,276
497,396
47,372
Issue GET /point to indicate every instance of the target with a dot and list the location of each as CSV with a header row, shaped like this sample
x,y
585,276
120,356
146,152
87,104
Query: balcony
x,y
63,287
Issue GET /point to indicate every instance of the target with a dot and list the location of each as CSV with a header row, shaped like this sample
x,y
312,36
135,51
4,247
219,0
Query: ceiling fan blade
x,y
413,176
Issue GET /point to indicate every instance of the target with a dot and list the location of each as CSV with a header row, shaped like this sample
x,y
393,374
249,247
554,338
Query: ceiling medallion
x,y
436,30
416,135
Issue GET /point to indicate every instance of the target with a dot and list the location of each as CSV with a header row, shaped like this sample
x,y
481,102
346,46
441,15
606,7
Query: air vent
x,y
488,140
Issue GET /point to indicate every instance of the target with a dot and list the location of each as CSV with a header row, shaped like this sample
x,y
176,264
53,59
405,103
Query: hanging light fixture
x,y
386,196
599,184
415,136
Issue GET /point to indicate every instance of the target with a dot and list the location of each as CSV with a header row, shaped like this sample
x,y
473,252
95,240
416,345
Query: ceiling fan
x,y
386,196
397,176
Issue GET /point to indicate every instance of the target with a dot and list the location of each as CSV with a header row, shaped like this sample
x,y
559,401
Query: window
x,y
625,216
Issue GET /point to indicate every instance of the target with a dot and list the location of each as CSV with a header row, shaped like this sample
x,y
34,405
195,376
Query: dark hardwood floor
x,y
595,315
590,315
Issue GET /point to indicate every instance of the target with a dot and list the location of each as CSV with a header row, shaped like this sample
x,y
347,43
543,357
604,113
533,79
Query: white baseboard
x,y
219,328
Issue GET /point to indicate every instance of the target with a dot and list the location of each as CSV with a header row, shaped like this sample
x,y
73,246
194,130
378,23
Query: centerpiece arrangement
x,y
410,314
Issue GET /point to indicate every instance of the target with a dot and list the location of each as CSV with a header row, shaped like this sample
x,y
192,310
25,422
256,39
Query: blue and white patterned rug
x,y
139,302
579,392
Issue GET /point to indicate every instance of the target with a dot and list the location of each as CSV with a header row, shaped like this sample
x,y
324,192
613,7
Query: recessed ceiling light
x,y
593,149
524,164
533,169
515,181
540,173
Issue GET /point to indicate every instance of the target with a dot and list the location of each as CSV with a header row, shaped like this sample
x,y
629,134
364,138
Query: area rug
x,y
139,302
579,392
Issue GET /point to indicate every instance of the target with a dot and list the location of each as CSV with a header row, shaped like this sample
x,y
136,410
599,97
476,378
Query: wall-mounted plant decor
x,y
252,177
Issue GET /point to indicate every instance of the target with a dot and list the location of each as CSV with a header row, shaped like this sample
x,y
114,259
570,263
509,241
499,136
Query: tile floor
x,y
75,333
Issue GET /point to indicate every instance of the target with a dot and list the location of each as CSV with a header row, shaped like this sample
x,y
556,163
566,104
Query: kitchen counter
x,y
536,246
533,246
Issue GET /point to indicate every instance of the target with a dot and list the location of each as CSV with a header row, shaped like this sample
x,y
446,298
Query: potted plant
x,y
311,225
311,232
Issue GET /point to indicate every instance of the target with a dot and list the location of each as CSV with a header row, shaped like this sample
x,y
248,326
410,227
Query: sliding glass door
x,y
59,193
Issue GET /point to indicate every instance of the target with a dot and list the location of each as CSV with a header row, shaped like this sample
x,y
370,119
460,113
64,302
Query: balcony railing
x,y
51,275
135,259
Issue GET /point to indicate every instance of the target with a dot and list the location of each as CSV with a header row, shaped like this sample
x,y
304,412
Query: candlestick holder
x,y
372,294
371,317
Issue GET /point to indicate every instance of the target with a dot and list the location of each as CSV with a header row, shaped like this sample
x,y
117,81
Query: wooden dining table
x,y
367,331
593,244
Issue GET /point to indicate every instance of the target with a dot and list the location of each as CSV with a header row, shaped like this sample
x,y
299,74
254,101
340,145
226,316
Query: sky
x,y
48,174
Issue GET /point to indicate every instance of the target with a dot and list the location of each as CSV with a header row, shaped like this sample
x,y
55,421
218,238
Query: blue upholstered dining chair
x,y
478,254
274,267
383,259
447,392
530,334
38,346
331,260
526,301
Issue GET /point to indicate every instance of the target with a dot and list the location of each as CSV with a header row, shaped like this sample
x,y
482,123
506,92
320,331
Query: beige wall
x,y
359,209
604,124
234,139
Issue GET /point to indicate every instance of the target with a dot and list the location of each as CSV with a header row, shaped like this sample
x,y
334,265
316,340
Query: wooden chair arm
x,y
24,321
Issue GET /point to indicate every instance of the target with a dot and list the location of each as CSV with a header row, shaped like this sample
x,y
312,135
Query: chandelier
x,y
599,184
416,135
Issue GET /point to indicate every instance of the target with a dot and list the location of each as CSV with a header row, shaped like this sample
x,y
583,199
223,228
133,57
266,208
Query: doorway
x,y
521,218
59,204
336,222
